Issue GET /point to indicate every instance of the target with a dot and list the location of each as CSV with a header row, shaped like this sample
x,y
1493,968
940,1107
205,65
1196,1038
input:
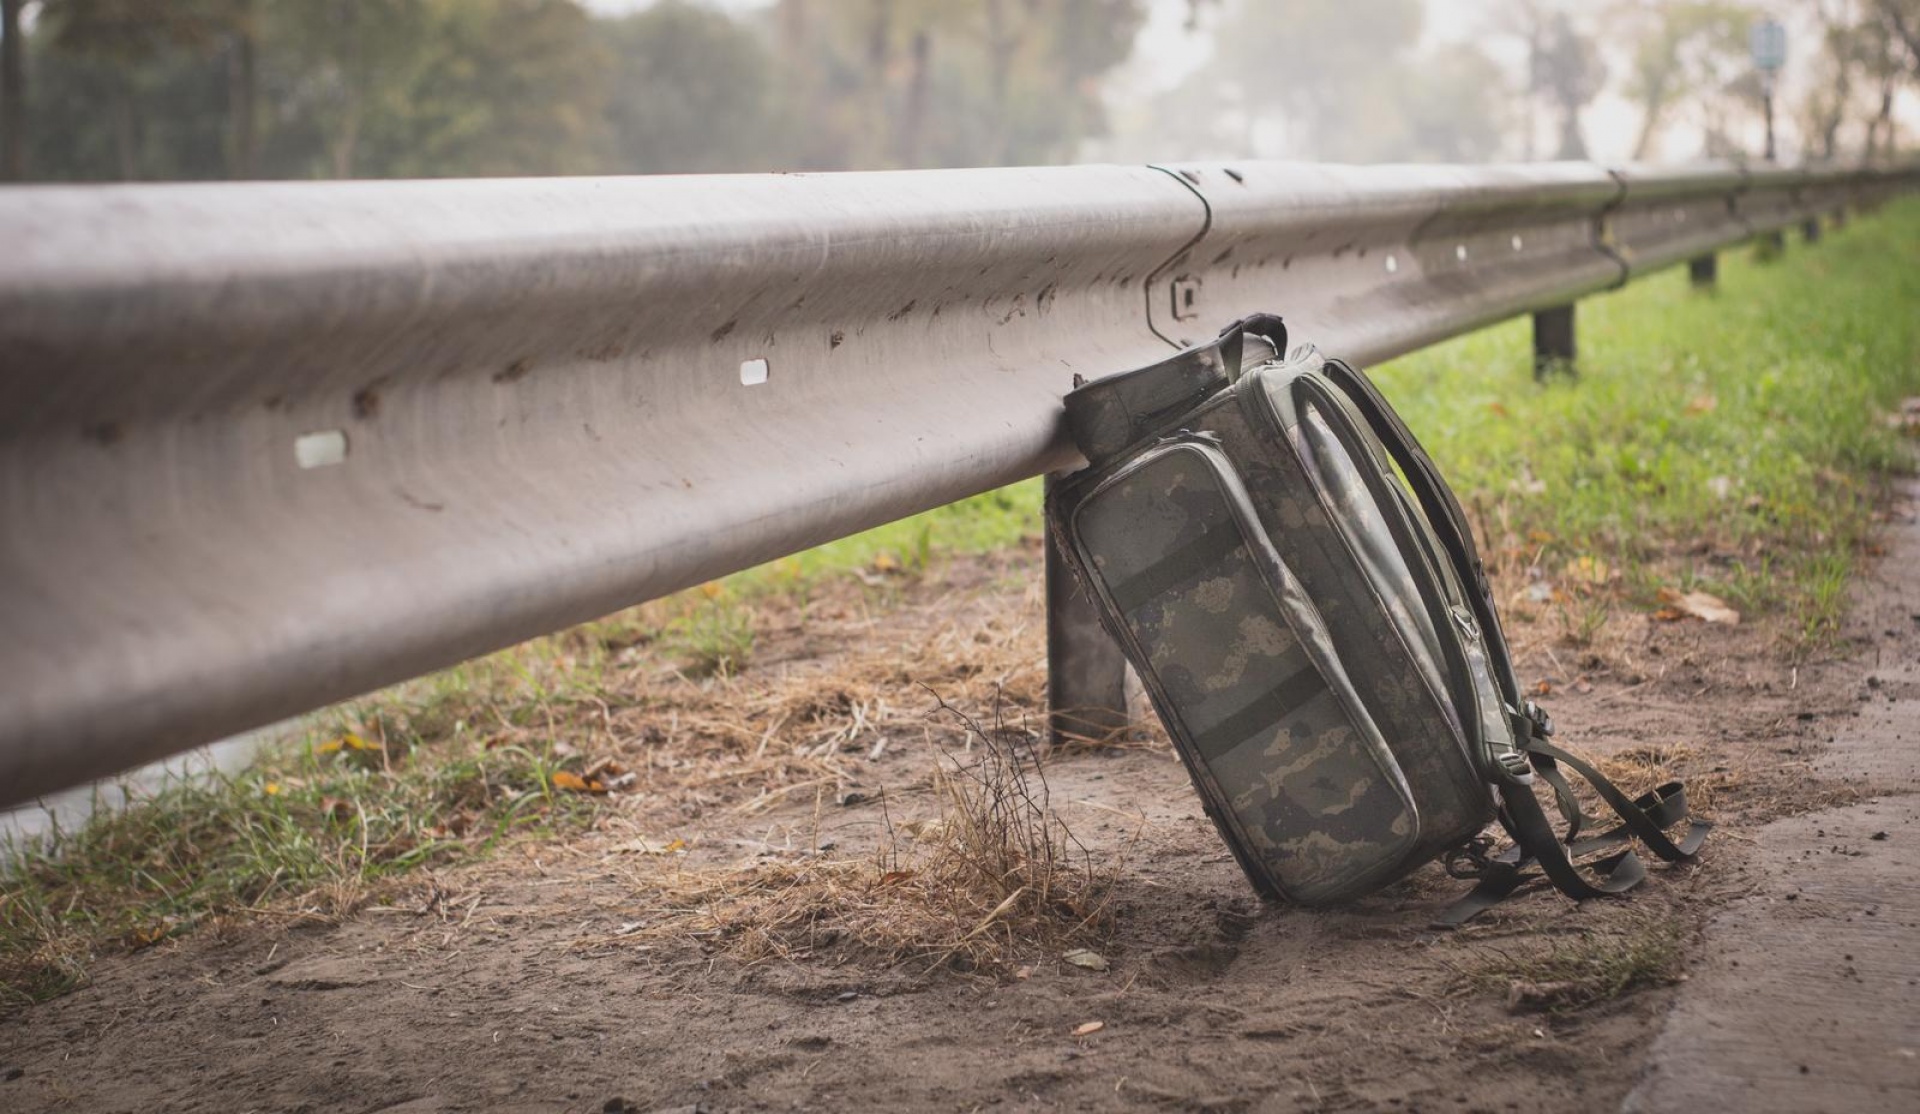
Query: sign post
x,y
1768,41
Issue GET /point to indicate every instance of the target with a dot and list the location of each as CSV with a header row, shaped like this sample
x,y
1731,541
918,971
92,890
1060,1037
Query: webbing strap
x,y
1563,797
1639,816
1645,817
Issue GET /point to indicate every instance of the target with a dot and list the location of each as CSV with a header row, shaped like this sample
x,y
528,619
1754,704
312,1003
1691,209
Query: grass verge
x,y
1726,440
309,832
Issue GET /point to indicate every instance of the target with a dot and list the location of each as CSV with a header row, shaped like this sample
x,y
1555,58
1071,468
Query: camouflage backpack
x,y
1300,594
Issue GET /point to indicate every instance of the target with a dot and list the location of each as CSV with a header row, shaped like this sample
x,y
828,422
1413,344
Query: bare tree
x,y
1572,73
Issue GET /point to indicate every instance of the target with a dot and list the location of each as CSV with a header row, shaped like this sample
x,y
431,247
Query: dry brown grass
x,y
1604,962
994,877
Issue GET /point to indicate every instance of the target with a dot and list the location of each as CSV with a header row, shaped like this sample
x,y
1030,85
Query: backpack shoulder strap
x,y
1645,818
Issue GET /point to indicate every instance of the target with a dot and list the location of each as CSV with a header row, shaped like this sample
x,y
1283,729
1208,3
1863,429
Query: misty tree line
x,y
153,89
170,89
1353,82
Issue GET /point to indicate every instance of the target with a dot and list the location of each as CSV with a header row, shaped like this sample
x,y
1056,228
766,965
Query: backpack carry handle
x,y
1109,416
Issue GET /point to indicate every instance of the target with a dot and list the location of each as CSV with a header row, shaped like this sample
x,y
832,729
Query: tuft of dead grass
x,y
993,877
1598,966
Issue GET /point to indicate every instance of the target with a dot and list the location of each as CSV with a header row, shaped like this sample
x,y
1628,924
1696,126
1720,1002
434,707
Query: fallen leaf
x,y
712,589
1542,687
893,877
1498,409
1700,605
349,741
1539,537
574,783
1023,973
336,808
1582,686
1591,571
884,561
639,846
149,936
1702,404
1092,961
1088,1028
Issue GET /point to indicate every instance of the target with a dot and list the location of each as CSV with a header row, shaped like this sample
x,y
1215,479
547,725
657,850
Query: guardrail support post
x,y
1086,672
1704,270
1553,346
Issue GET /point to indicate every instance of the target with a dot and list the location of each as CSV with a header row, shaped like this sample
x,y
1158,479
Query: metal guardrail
x,y
268,446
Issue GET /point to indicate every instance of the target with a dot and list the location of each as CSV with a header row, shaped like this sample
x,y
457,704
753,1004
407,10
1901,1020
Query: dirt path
x,y
540,981
1803,998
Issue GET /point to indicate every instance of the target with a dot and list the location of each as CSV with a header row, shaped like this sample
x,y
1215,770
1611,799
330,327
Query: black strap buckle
x,y
1469,860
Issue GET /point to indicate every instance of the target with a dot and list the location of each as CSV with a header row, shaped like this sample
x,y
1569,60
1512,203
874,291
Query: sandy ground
x,y
523,983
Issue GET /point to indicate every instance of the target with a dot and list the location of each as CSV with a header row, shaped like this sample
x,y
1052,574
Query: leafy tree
x,y
690,91
1683,50
1453,105
1570,71
13,91
505,87
350,61
1890,52
342,88
883,83
1324,65
140,55
1901,19
418,88
1348,82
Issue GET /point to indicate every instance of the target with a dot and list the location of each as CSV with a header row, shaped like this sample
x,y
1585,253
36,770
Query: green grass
x,y
1765,494
1729,440
309,831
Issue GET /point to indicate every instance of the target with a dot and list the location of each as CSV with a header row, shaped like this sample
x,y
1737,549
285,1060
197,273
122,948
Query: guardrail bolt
x,y
1553,347
1086,672
1704,271
1186,298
